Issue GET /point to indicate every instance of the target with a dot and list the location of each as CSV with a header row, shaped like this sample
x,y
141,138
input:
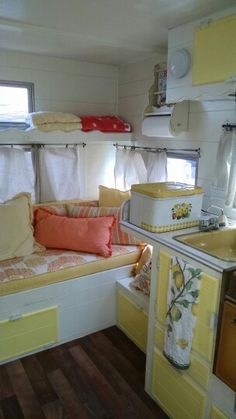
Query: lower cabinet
x,y
21,334
175,392
132,320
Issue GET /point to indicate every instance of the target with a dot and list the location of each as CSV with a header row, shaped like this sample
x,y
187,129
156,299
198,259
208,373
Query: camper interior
x,y
118,209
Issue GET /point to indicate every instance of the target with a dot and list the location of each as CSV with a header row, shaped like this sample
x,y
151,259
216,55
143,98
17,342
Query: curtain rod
x,y
159,149
229,127
40,144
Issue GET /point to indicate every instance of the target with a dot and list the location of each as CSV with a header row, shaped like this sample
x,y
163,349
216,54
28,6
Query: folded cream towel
x,y
182,300
37,118
59,126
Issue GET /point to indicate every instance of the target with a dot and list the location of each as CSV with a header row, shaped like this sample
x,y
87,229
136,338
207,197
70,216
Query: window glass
x,y
16,101
182,170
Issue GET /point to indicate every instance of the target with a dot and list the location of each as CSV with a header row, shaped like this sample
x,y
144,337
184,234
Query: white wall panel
x,y
64,85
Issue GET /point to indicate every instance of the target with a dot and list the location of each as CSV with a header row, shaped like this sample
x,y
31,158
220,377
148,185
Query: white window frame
x,y
31,103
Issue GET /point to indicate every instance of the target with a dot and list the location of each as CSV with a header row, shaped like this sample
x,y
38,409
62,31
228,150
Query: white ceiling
x,y
102,31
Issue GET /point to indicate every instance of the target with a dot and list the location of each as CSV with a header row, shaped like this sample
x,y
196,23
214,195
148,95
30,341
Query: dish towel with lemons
x,y
182,300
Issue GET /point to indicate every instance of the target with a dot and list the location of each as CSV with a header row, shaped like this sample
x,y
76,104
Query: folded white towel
x,y
182,300
37,118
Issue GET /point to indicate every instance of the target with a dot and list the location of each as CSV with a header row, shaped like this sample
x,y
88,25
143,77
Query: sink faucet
x,y
209,222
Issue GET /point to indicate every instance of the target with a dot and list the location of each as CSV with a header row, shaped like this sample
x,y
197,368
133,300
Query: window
x,y
16,101
182,168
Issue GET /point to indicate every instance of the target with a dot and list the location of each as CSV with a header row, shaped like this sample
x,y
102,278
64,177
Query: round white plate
x,y
179,63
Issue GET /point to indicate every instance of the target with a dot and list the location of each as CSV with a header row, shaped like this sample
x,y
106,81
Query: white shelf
x,y
35,136
137,296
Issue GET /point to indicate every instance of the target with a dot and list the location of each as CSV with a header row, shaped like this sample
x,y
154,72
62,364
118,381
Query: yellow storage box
x,y
165,206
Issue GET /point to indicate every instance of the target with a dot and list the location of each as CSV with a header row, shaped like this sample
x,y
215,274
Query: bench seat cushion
x,y
49,266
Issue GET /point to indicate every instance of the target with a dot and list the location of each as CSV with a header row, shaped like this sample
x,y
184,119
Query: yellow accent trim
x,y
89,268
217,414
214,55
28,332
166,189
168,227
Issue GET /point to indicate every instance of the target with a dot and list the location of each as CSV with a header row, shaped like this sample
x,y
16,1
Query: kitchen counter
x,y
168,240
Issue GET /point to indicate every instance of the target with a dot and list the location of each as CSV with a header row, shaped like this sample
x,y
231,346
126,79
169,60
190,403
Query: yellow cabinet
x,y
133,320
203,338
22,334
175,392
199,370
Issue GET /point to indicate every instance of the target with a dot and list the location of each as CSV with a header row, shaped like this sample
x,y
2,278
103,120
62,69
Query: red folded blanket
x,y
104,124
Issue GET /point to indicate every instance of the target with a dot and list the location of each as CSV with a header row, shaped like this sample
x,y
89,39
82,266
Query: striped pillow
x,y
118,236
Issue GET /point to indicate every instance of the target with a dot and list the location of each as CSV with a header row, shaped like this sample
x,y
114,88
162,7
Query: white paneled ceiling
x,y
102,31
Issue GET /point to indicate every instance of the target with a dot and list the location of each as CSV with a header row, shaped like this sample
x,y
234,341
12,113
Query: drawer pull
x,y
14,317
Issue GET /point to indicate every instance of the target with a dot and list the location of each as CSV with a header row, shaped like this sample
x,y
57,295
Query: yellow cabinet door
x,y
28,332
204,332
133,320
175,392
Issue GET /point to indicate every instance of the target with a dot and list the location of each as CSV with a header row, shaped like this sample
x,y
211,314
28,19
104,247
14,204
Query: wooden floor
x,y
99,376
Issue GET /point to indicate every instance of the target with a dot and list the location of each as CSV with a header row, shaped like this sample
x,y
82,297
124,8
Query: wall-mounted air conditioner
x,y
167,121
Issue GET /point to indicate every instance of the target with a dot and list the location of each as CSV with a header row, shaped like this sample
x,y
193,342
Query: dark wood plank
x,y
134,406
11,408
54,410
67,395
98,382
6,389
24,391
39,381
78,381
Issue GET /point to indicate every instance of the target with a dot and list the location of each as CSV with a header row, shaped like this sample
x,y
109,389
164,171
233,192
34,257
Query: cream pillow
x,y
16,231
111,197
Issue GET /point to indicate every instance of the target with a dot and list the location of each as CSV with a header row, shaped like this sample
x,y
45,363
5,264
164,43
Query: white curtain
x,y
129,169
16,172
61,173
157,167
225,172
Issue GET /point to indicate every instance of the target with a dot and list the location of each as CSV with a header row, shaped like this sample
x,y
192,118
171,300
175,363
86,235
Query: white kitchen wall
x,y
205,117
64,85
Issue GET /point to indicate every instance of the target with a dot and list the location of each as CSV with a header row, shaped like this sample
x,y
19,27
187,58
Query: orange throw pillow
x,y
90,235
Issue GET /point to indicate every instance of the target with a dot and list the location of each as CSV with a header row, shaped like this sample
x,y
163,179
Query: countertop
x,y
167,239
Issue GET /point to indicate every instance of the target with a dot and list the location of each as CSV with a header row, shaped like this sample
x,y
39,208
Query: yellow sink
x,y
218,243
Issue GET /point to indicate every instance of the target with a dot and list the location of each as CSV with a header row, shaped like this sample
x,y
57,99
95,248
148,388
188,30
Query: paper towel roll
x,y
157,126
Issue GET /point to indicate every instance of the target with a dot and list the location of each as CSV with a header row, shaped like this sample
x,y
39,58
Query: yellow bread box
x,y
165,206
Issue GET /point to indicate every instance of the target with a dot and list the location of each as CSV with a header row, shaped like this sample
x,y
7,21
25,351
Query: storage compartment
x,y
21,334
166,206
133,320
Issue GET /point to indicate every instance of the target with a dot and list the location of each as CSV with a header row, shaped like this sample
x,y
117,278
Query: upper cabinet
x,y
207,50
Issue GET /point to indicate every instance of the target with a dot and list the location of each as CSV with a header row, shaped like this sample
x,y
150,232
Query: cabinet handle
x,y
234,321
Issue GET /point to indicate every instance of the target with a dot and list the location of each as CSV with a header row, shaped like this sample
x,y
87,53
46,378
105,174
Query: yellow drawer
x,y
199,370
132,320
217,414
28,332
175,392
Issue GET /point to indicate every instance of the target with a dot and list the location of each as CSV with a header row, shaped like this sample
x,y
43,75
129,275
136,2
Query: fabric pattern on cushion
x,y
90,235
111,197
16,238
142,280
118,236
